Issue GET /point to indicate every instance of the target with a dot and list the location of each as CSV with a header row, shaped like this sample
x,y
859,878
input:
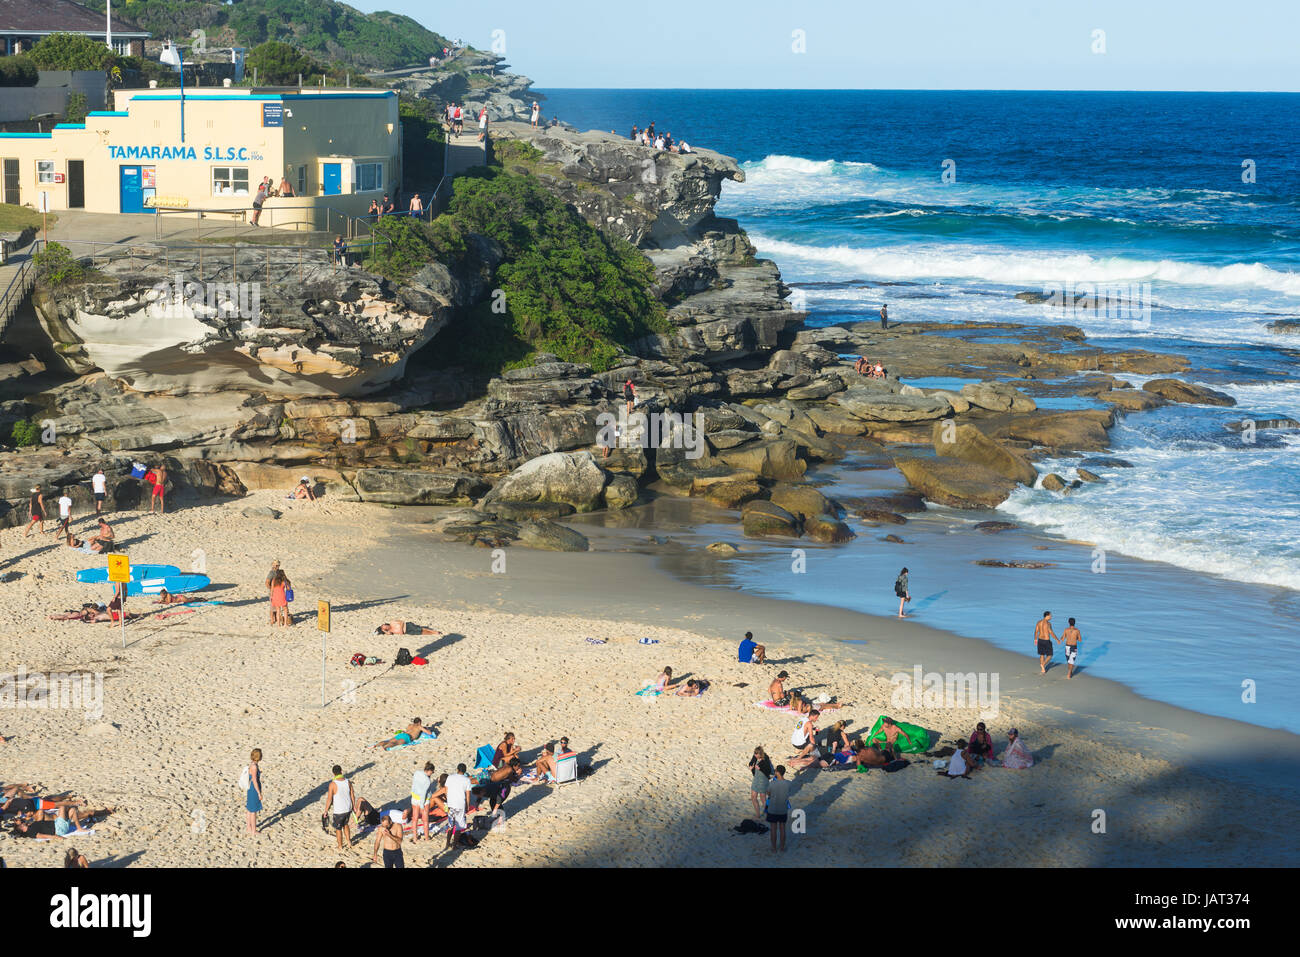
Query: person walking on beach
x,y
159,487
252,780
280,588
1071,637
390,837
65,512
99,486
458,788
38,512
341,799
884,316
778,804
1043,638
900,589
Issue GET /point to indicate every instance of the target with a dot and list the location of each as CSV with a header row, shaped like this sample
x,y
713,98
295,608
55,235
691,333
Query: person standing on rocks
x,y
629,395
537,112
1043,638
1071,637
900,589
884,316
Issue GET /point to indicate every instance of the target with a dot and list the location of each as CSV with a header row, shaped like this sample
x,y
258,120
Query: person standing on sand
x,y
1043,638
390,836
1071,637
65,512
99,486
159,487
38,512
421,787
761,766
778,804
458,788
270,577
900,589
253,800
280,586
341,799
884,316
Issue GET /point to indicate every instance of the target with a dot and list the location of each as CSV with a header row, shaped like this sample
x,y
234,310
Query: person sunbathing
x,y
776,690
399,738
693,688
89,612
166,598
869,757
404,628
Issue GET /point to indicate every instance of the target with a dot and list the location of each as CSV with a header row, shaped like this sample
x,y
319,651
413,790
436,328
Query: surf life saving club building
x,y
210,150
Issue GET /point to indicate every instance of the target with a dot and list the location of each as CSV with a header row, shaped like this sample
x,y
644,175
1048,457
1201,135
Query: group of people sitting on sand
x,y
977,752
38,816
101,541
864,366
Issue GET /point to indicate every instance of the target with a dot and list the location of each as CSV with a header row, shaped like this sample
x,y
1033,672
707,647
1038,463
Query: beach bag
x,y
245,782
748,826
288,594
137,470
357,660
899,590
403,656
417,660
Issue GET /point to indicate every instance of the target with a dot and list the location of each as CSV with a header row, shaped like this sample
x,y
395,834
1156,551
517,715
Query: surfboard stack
x,y
150,579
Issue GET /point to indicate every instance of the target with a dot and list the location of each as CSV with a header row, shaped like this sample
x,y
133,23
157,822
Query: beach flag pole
x,y
323,625
119,573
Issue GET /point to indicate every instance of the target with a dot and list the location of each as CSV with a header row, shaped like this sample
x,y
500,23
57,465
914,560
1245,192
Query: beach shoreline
x,y
189,696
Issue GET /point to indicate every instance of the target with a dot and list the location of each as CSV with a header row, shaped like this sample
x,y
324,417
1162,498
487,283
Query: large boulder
x,y
770,459
970,444
1131,400
570,477
1083,430
831,418
997,397
552,537
827,528
802,500
732,494
1175,390
414,487
874,406
956,483
621,491
763,518
258,476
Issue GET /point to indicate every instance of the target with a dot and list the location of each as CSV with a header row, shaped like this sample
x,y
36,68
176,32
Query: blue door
x,y
130,191
333,178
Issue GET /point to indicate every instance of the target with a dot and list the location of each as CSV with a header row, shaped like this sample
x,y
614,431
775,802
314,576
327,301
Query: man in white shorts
x,y
458,786
65,512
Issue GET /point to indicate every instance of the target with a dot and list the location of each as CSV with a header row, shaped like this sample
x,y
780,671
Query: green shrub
x,y
75,110
25,433
56,265
18,70
566,288
72,51
423,143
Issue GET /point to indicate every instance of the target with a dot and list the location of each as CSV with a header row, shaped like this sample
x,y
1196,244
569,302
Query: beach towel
x,y
648,690
427,736
173,614
190,603
648,641
595,641
919,743
70,834
484,758
773,706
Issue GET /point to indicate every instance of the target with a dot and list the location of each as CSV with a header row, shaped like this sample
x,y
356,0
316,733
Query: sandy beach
x,y
192,694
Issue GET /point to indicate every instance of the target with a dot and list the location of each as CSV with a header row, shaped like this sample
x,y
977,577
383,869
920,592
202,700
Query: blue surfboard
x,y
175,584
95,576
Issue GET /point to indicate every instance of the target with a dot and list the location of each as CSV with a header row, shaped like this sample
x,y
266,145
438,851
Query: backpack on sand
x,y
403,656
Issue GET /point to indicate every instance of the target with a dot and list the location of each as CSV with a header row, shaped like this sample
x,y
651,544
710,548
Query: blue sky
x,y
902,44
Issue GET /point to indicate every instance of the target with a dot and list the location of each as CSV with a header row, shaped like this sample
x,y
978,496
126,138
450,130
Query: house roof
x,y
57,16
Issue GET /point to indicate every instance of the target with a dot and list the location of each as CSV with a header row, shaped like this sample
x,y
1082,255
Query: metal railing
x,y
20,284
298,219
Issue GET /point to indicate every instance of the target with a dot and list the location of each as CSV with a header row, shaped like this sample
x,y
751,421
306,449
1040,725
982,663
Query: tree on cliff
x,y
279,64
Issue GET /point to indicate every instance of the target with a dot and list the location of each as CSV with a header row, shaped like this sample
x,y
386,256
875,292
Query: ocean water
x,y
1137,196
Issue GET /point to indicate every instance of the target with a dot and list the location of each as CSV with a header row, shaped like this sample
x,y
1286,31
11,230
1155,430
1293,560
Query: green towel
x,y
920,738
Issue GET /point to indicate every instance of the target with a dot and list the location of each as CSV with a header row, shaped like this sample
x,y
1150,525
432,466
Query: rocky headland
x,y
331,380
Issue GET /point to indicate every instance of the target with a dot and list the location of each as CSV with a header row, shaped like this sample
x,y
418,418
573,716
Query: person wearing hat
x,y
776,690
1017,755
390,837
304,489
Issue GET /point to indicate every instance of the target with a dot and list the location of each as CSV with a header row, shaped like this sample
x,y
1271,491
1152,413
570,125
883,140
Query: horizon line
x,y
881,89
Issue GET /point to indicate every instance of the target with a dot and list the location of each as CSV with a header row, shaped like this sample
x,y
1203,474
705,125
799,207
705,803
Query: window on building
x,y
367,176
45,171
302,180
230,181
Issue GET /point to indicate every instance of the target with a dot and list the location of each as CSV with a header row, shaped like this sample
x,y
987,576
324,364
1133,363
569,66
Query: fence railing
x,y
173,220
20,284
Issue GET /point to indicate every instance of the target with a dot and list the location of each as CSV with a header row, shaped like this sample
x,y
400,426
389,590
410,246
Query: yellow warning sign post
x,y
119,573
